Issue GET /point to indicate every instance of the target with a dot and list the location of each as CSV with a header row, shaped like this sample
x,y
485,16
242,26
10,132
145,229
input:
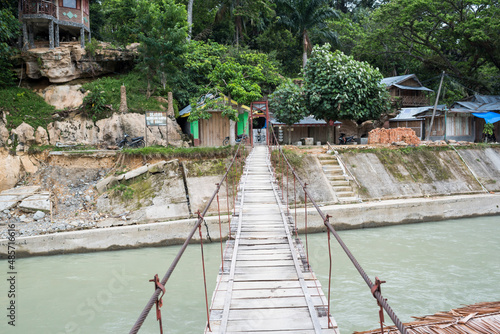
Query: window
x,y
69,3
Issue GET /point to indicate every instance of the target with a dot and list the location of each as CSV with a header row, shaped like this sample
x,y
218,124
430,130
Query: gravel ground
x,y
74,198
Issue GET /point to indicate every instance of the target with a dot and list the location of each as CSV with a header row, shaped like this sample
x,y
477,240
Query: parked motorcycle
x,y
343,140
128,141
239,138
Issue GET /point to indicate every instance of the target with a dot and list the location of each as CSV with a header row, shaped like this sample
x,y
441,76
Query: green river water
x,y
429,267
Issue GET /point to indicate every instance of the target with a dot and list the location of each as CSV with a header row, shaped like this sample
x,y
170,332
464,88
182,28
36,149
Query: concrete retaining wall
x,y
352,216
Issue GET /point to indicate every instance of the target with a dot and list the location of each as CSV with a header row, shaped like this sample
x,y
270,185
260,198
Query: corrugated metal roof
x,y
411,114
482,318
487,98
413,88
390,81
306,121
482,103
494,106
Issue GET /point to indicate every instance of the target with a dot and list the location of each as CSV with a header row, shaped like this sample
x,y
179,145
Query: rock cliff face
x,y
70,61
81,130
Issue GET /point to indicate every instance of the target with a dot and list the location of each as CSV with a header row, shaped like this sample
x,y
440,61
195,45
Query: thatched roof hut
x,y
482,318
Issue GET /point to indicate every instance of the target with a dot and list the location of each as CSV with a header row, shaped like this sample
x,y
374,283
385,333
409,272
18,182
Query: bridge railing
x,y
230,173
374,288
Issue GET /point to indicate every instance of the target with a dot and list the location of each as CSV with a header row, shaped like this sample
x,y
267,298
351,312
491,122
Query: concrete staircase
x,y
340,182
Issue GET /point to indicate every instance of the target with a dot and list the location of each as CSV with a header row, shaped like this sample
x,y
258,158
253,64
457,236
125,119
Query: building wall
x,y
75,15
414,125
318,133
213,131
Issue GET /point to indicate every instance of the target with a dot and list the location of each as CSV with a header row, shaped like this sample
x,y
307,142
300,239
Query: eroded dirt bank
x,y
173,189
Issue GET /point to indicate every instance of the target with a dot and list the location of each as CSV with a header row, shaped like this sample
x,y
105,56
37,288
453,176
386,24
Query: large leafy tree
x,y
339,87
288,104
305,16
161,29
241,77
459,37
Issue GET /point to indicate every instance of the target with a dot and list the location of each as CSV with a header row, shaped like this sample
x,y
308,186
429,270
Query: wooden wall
x,y
414,125
213,131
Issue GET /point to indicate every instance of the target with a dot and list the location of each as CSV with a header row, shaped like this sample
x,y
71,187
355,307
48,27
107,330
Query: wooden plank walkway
x,y
265,286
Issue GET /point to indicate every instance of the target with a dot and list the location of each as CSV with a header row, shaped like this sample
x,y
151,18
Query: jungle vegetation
x,y
248,48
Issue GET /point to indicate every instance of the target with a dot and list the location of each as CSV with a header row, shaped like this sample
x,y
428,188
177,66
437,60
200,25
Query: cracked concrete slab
x,y
9,198
37,202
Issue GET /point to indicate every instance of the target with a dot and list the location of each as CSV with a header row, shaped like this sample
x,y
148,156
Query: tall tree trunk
x,y
305,47
190,18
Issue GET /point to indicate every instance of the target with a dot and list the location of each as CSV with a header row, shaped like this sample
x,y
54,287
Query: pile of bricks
x,y
389,136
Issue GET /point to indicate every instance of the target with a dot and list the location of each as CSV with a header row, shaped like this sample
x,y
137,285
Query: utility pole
x,y
434,110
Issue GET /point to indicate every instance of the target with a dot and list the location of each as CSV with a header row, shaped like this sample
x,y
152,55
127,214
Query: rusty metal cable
x,y
377,294
174,263
204,279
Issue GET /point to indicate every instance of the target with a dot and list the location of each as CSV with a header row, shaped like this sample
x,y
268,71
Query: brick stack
x,y
389,136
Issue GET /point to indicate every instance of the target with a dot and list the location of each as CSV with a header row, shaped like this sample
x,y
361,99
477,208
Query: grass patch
x,y
295,159
182,152
35,149
22,105
136,91
422,163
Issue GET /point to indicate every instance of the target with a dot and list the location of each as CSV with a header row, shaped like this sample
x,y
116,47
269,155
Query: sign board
x,y
156,118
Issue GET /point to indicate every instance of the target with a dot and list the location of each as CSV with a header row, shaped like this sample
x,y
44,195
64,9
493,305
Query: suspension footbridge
x,y
265,283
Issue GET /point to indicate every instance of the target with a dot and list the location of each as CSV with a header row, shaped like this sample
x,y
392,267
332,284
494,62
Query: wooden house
x,y
474,108
407,91
308,127
53,20
407,119
213,131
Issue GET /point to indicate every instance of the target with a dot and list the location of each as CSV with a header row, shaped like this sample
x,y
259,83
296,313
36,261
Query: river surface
x,y
429,267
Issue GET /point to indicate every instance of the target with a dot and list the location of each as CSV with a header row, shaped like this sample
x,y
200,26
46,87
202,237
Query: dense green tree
x,y
240,77
304,16
288,104
120,18
161,29
339,87
459,37
9,29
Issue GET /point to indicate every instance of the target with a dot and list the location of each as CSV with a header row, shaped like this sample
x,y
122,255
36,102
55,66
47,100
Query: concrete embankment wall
x,y
352,216
388,174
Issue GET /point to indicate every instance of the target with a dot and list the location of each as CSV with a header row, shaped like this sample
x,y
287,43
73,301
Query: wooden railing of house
x,y
413,101
39,7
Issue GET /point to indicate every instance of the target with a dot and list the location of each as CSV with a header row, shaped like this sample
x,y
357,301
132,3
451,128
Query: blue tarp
x,y
489,117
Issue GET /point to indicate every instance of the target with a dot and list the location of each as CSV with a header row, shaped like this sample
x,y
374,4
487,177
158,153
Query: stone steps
x,y
339,182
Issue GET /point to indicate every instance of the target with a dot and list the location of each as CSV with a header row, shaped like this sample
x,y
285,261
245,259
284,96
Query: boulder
x,y
10,172
41,136
25,134
64,96
77,130
39,215
28,165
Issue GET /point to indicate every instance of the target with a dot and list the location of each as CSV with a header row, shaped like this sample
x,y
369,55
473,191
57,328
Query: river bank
x,y
344,217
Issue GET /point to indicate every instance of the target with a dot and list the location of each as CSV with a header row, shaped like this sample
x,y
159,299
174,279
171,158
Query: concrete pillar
x,y
90,36
56,37
82,38
25,37
31,36
51,34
